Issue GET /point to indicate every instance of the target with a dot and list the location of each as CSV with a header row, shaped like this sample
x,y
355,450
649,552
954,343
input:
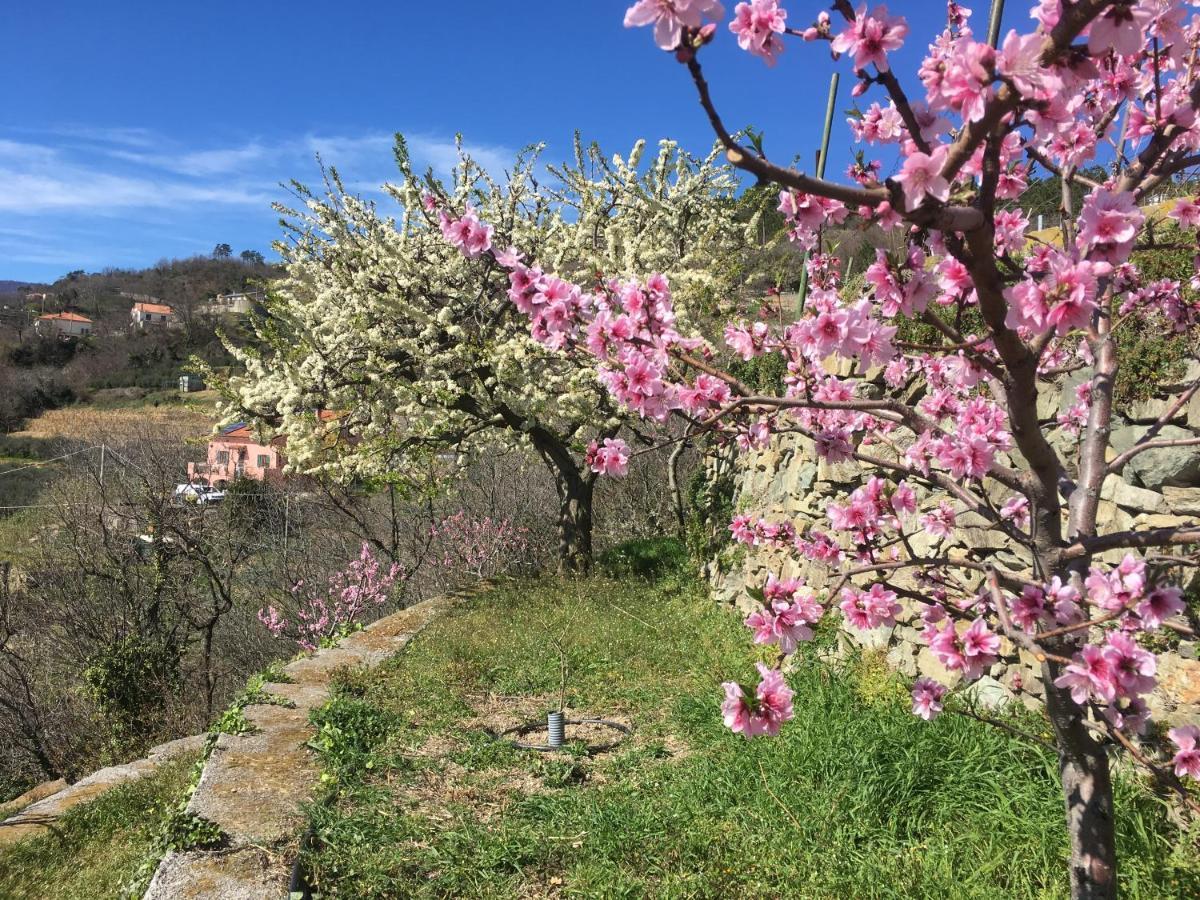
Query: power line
x,y
42,462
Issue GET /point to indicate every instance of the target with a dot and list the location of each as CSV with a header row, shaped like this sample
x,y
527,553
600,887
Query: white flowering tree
x,y
950,425
418,349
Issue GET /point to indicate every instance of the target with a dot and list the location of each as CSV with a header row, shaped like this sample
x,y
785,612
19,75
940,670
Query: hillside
x,y
183,284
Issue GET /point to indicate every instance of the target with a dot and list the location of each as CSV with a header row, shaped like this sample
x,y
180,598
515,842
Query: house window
x,y
264,461
222,457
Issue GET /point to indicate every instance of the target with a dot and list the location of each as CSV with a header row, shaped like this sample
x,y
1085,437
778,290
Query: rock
x,y
1072,380
246,874
990,693
1111,517
1183,501
1149,521
902,658
874,639
1166,466
1126,495
928,665
1187,649
1152,409
33,795
255,785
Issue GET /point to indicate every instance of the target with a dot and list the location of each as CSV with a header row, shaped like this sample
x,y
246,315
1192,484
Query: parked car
x,y
198,493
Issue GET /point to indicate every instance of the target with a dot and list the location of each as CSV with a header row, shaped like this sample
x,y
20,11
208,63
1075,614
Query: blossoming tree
x,y
419,350
950,426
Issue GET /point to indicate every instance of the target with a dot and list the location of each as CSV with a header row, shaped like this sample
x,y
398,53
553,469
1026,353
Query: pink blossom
x,y
273,620
940,522
789,609
1159,605
1187,757
1108,225
1119,29
921,177
1020,59
1090,674
609,458
978,642
866,610
467,233
762,712
670,17
871,37
1186,212
1016,510
758,25
904,500
927,697
1132,667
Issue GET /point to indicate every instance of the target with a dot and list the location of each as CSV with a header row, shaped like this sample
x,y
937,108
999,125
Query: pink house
x,y
237,453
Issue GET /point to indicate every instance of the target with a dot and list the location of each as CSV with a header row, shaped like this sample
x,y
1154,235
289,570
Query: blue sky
x,y
131,131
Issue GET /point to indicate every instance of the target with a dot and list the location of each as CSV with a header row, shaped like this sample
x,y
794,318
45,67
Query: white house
x,y
230,304
155,314
65,324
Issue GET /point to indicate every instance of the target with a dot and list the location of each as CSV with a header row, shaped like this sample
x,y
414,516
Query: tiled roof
x,y
65,317
156,308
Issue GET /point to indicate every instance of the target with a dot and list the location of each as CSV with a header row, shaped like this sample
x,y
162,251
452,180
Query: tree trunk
x,y
676,489
575,486
1087,792
574,520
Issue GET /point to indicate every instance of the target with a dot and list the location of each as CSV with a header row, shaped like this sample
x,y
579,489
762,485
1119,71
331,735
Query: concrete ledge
x,y
39,817
254,786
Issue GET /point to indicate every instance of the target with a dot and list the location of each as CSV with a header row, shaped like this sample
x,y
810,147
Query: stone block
x,y
246,874
928,665
903,659
1183,501
990,693
1165,466
1126,495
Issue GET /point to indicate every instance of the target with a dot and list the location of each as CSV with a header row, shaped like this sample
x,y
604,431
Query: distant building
x,y
64,324
236,452
230,304
190,383
152,314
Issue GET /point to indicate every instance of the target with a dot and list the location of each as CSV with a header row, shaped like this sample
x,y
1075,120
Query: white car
x,y
199,493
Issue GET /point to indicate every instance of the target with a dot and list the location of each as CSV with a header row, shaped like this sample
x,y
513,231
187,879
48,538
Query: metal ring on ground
x,y
536,724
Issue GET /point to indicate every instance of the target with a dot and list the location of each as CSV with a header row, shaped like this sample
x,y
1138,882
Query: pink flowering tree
x,y
326,612
950,427
462,545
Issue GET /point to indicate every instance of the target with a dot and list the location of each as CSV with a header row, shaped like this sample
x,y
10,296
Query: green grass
x,y
864,799
97,847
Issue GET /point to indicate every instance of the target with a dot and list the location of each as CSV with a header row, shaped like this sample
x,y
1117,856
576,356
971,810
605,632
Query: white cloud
x,y
66,193
200,162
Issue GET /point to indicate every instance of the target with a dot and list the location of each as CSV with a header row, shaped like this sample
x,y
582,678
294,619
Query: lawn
x,y
97,848
858,798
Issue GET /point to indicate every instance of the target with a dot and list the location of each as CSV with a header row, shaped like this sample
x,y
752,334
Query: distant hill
x,y
182,284
14,287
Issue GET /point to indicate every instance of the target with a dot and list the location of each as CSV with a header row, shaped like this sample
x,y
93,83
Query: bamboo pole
x,y
994,17
822,156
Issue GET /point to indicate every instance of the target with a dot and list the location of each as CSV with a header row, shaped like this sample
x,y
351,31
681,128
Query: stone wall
x,y
787,482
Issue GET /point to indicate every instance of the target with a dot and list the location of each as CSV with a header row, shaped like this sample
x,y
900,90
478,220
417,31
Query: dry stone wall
x,y
787,482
